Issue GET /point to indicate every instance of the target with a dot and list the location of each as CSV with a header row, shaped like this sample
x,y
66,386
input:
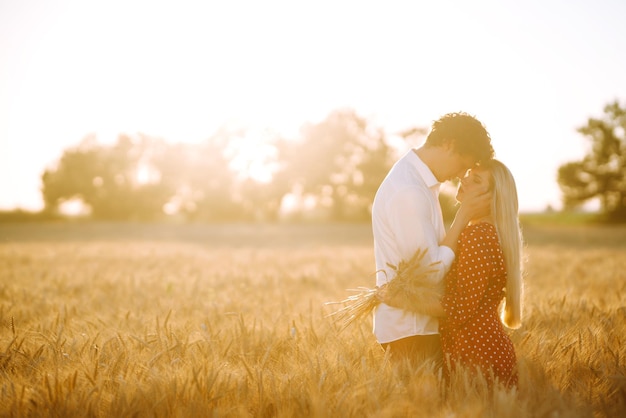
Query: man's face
x,y
457,166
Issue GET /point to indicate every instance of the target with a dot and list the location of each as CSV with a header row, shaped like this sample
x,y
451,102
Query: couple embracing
x,y
478,257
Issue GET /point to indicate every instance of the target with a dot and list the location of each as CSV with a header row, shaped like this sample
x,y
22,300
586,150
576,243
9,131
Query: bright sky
x,y
531,71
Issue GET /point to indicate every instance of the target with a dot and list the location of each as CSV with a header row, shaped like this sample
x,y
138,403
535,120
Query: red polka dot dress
x,y
472,333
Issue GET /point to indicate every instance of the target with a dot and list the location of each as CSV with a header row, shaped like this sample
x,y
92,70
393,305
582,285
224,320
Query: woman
x,y
485,276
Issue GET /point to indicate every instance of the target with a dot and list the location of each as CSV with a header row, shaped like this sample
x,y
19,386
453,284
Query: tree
x,y
106,179
210,182
602,172
144,178
340,162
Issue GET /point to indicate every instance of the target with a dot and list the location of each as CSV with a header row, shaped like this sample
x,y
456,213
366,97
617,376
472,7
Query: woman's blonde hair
x,y
504,211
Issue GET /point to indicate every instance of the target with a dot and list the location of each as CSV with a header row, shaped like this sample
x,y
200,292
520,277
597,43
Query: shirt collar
x,y
424,171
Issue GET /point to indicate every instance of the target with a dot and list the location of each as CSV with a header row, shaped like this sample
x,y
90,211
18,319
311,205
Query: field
x,y
111,320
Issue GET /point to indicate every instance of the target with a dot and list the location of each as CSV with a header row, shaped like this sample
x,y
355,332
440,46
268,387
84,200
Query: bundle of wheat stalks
x,y
411,289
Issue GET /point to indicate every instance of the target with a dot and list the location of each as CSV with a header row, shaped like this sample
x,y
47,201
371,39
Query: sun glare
x,y
74,208
146,175
253,155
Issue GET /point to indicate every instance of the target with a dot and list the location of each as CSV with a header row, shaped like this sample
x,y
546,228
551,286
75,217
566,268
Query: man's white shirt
x,y
406,217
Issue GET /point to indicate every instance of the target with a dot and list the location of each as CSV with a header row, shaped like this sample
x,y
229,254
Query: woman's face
x,y
475,182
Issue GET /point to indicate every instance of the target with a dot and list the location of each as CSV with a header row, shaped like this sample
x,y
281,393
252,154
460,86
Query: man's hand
x,y
476,204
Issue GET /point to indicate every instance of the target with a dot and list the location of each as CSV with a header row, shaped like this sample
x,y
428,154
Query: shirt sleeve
x,y
411,215
462,300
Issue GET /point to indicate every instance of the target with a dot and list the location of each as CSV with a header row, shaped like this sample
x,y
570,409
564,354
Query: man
x,y
406,217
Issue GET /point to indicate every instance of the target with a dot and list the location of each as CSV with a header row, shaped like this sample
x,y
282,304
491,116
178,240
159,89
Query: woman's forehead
x,y
481,172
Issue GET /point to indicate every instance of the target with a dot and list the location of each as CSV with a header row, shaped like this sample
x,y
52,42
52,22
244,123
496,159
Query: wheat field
x,y
230,321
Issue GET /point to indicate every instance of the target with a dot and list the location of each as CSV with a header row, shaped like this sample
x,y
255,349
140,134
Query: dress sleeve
x,y
478,248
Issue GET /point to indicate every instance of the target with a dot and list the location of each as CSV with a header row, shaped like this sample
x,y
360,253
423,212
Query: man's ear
x,y
447,146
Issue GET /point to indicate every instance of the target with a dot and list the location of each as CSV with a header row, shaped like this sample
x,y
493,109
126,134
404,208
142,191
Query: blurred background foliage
x,y
601,174
329,173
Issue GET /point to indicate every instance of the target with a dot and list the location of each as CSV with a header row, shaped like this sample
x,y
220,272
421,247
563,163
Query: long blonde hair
x,y
504,211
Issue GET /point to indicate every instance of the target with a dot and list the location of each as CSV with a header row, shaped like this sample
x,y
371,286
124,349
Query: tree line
x,y
330,172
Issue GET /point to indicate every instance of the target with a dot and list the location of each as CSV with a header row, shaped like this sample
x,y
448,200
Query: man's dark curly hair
x,y
467,135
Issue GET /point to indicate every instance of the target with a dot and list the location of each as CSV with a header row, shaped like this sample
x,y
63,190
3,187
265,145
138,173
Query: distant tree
x,y
260,201
340,161
208,187
255,156
212,183
203,179
106,178
602,172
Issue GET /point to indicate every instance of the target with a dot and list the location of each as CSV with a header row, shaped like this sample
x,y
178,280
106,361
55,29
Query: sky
x,y
532,72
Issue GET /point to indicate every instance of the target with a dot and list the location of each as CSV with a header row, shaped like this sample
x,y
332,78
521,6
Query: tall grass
x,y
175,329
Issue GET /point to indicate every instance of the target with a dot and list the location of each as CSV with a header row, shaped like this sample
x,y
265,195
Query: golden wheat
x,y
179,329
411,289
